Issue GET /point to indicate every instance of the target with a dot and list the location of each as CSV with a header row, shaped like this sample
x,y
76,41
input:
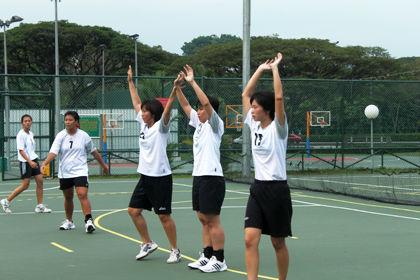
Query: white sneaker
x,y
202,261
89,226
146,249
6,206
175,256
41,208
214,265
67,225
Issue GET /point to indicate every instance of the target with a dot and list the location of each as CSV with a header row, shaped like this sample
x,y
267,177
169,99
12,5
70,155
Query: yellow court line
x,y
61,247
356,203
161,249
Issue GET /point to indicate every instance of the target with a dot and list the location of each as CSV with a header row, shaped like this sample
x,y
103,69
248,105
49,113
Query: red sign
x,y
163,100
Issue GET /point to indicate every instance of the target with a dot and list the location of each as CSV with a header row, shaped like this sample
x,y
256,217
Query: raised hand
x,y
179,80
276,60
130,74
189,77
266,66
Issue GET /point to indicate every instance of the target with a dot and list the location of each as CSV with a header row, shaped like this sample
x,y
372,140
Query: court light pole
x,y
371,112
135,37
6,84
103,47
246,69
57,106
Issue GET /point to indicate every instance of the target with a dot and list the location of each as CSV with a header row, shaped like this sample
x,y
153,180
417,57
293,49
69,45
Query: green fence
x,y
344,144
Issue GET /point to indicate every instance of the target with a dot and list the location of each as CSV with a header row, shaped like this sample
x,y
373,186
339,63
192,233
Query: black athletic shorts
x,y
208,194
68,183
26,170
153,192
269,208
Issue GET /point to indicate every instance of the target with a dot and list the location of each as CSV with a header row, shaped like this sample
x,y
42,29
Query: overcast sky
x,y
391,24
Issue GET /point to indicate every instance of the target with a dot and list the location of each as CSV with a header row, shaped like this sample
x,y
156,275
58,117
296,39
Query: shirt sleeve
x,y
249,121
20,142
162,127
281,129
90,147
215,122
56,145
194,121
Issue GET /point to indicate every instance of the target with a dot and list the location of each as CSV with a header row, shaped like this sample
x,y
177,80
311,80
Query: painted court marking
x,y
61,247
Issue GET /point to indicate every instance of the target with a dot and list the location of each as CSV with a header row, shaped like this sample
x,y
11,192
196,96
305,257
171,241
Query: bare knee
x,y
164,218
202,220
251,240
25,185
134,212
82,196
278,243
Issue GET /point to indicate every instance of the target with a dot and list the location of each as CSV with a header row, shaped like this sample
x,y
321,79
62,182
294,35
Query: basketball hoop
x,y
113,121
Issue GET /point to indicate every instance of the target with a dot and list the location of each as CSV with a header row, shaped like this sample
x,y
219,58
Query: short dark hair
x,y
214,102
155,107
74,114
24,116
265,99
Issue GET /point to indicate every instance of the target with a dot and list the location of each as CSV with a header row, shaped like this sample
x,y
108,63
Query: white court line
x,y
48,189
357,210
307,203
355,184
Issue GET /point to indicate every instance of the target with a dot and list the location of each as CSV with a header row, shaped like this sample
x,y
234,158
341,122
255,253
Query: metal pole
x,y
371,140
6,102
246,146
57,73
103,81
135,54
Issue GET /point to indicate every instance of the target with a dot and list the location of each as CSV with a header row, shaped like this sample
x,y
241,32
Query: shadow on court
x,y
335,237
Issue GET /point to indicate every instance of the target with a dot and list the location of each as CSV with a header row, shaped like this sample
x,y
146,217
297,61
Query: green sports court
x,y
335,237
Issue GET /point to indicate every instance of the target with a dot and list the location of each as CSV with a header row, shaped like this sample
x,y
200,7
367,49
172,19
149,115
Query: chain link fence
x,y
341,144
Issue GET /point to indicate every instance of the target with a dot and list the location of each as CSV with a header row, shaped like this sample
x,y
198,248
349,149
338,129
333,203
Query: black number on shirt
x,y
258,137
200,126
71,144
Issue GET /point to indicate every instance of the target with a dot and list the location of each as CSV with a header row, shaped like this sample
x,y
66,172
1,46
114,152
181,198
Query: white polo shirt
x,y
206,149
25,142
269,146
73,151
153,160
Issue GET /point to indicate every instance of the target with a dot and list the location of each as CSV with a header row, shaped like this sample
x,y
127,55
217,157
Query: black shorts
x,y
153,192
26,170
68,183
269,208
208,194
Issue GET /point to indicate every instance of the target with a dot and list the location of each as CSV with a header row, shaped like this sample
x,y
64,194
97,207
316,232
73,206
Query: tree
x,y
305,58
189,48
31,50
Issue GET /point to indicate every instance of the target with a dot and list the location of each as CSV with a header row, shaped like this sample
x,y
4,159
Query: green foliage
x,y
31,50
189,48
302,59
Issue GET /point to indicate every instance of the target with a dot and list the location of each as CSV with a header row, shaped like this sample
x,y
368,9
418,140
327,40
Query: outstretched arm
x,y
134,95
189,77
181,97
99,159
167,112
49,158
278,90
252,84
